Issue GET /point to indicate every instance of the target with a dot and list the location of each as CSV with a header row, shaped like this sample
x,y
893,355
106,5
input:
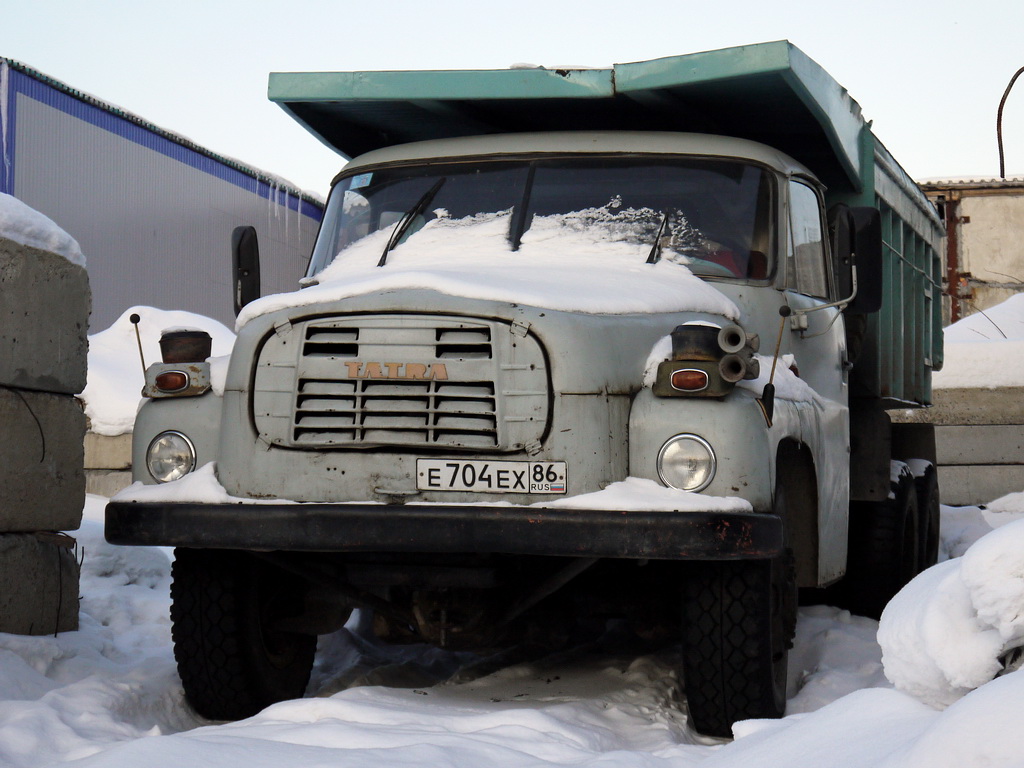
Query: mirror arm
x,y
841,304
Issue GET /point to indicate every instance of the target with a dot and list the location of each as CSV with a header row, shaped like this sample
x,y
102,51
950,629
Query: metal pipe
x,y
357,597
555,582
999,122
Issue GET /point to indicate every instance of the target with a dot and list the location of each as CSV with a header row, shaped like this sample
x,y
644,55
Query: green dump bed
x,y
771,93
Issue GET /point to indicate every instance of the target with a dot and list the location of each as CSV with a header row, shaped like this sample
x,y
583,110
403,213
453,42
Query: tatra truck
x,y
574,346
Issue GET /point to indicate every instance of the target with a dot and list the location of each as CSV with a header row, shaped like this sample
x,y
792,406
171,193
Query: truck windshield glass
x,y
716,214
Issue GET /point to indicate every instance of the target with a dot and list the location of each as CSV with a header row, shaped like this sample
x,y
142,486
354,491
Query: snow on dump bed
x,y
113,390
560,265
27,226
985,349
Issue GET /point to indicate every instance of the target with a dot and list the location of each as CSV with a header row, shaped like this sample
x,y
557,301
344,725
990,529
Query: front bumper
x,y
447,529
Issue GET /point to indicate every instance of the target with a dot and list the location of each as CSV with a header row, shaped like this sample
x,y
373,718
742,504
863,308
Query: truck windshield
x,y
716,214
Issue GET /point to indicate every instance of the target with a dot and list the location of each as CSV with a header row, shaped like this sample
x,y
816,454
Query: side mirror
x,y
245,264
856,235
867,249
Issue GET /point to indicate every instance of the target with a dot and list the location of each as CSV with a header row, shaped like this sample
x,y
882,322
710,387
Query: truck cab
x,y
535,381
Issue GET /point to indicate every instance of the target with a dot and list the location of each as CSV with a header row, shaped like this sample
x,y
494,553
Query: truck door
x,y
817,341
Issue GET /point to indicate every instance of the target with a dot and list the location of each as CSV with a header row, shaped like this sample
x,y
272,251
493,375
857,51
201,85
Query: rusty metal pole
x,y
952,210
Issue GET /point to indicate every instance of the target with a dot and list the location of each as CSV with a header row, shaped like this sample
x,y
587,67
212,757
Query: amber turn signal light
x,y
171,381
689,380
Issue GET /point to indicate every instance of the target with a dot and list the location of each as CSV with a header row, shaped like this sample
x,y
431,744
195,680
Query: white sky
x,y
929,74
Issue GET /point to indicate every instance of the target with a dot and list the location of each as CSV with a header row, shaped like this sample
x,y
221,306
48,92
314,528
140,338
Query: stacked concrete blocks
x,y
44,314
108,463
979,442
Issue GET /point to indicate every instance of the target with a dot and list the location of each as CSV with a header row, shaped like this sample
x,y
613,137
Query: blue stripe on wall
x,y
32,88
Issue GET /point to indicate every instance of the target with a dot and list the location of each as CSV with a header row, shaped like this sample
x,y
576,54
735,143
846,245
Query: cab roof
x,y
520,145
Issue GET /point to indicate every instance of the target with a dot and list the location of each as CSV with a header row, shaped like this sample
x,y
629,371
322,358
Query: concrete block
x,y
980,444
960,485
106,452
105,482
44,320
42,483
38,584
969,406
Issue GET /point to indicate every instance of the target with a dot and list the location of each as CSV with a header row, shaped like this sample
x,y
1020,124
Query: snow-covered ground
x,y
985,349
108,694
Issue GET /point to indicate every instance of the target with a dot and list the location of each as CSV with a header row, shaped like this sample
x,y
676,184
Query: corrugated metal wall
x,y
154,218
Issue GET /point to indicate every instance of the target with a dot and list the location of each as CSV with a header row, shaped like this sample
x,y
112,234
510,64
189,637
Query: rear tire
x,y
231,661
885,548
927,486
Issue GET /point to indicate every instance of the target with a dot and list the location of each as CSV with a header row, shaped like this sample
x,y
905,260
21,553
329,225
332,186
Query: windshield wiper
x,y
407,218
655,256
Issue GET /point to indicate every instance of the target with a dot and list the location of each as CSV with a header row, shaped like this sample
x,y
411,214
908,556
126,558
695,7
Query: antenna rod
x,y
134,320
767,399
784,312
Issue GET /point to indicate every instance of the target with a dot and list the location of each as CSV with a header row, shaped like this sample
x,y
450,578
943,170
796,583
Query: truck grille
x,y
401,380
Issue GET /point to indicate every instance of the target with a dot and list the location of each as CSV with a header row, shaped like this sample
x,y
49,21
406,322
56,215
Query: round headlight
x,y
687,462
171,455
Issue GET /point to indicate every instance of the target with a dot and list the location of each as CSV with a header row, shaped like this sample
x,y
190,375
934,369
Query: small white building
x,y
984,258
152,211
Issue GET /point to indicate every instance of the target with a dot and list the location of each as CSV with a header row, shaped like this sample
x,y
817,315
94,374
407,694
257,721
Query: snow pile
x,y
985,349
834,654
115,379
942,636
633,493
962,526
28,226
67,697
557,267
788,386
201,486
888,729
638,494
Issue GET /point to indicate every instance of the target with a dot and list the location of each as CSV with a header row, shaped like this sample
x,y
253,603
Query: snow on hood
x,y
115,379
27,226
558,267
985,349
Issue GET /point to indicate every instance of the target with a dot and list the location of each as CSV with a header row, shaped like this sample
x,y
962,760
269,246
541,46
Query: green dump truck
x,y
573,346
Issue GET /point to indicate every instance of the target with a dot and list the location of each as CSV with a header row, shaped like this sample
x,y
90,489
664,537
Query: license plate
x,y
491,476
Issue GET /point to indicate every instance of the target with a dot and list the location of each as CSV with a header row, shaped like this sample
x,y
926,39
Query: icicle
x,y
5,75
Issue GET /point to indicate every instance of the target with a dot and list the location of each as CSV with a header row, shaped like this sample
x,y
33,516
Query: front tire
x,y
231,660
740,618
739,622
